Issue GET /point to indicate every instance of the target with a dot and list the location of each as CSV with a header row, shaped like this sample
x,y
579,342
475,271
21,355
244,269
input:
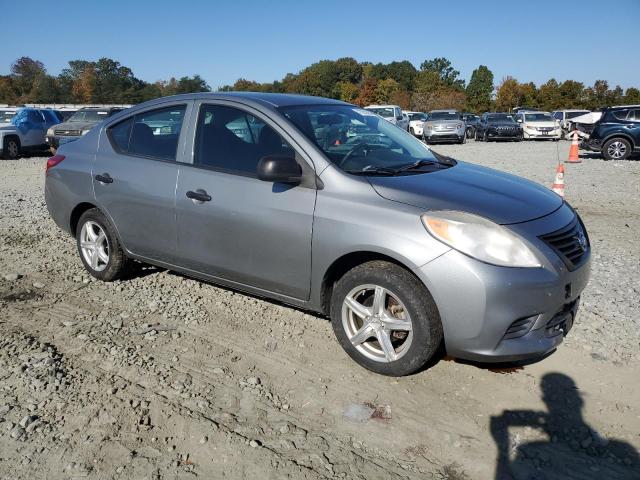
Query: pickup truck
x,y
26,131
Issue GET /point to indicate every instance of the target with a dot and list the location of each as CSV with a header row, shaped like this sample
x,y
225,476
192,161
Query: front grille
x,y
571,243
519,328
67,132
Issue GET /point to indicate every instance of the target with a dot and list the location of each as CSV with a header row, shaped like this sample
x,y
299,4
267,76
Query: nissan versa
x,y
326,206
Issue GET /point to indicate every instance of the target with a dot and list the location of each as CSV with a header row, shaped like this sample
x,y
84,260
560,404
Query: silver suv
x,y
326,206
444,126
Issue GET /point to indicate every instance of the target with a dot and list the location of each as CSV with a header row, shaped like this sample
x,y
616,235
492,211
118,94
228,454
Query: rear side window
x,y
621,114
234,141
634,115
153,133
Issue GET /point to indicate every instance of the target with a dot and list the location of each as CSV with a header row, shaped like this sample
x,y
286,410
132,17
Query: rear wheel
x,y
10,148
99,248
385,318
616,149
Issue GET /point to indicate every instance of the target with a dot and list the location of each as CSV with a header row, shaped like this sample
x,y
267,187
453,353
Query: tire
x,y
477,138
110,260
463,140
405,294
11,148
485,138
412,132
616,149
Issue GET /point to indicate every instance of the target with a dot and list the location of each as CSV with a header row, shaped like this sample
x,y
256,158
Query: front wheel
x,y
385,319
477,137
10,148
99,247
616,149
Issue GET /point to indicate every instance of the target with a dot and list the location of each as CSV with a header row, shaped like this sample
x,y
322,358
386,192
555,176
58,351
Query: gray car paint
x,y
280,242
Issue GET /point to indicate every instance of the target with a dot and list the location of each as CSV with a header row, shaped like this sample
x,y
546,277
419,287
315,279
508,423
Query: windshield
x,y
90,116
576,114
383,112
6,115
499,117
359,142
445,116
417,116
538,117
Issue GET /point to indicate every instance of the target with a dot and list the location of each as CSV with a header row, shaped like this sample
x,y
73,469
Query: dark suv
x,y
617,134
497,126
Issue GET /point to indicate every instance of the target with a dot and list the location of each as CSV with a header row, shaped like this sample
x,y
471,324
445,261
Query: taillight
x,y
53,161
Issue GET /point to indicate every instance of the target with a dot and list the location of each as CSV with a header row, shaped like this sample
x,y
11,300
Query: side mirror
x,y
399,117
519,120
279,169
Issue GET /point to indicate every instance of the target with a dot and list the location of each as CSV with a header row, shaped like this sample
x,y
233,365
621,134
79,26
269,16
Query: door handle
x,y
104,178
199,196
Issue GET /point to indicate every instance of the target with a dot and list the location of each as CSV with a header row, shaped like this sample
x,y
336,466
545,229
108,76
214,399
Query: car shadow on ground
x,y
572,449
598,156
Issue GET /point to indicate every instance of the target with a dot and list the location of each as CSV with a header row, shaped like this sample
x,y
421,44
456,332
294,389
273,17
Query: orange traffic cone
x,y
558,184
574,156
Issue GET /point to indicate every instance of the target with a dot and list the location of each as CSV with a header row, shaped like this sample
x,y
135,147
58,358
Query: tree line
x,y
435,84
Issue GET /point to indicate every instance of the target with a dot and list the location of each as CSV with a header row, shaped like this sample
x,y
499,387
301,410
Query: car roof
x,y
451,110
382,106
625,106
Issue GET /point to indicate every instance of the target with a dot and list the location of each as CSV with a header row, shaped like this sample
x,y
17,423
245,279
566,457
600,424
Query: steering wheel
x,y
359,146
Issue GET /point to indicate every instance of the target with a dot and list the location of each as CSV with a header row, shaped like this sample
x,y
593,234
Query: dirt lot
x,y
160,376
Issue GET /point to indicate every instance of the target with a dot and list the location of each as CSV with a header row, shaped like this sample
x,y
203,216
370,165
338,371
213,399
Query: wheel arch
x,y
76,213
346,262
626,136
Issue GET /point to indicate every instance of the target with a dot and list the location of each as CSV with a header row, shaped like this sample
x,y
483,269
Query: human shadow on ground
x,y
572,450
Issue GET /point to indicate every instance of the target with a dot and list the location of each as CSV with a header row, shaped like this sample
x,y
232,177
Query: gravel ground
x,y
160,376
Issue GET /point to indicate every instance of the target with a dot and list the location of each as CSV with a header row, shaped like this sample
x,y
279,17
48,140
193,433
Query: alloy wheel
x,y
12,148
617,150
377,323
94,246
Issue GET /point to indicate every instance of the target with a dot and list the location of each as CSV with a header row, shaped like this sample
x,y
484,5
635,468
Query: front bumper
x,y
493,134
535,134
507,314
444,135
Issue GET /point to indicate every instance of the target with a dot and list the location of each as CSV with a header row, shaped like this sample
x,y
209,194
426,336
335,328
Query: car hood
x,y
75,125
495,195
444,122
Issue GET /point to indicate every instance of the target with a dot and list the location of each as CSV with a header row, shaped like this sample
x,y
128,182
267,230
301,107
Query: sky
x,y
263,40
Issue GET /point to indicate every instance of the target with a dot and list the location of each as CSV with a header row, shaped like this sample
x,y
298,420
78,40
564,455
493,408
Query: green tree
x,y
445,71
480,89
385,89
25,71
508,94
632,96
549,95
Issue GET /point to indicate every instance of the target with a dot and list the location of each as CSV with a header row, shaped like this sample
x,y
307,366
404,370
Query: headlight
x,y
479,238
428,126
84,132
50,132
460,125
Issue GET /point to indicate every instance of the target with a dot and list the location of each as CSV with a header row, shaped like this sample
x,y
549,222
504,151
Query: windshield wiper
x,y
369,169
418,164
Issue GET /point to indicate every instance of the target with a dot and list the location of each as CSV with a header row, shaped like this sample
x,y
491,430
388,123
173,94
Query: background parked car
x,y
471,122
497,126
617,134
539,125
565,118
77,125
26,131
416,123
444,126
391,113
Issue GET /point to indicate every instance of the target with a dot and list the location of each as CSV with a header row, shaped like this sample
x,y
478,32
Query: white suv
x,y
391,113
565,117
416,123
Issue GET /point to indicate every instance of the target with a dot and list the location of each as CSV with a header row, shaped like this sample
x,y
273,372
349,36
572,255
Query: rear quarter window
x,y
621,114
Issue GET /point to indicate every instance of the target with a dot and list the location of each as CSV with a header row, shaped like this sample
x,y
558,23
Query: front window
x,y
6,115
89,116
444,116
418,116
383,112
538,117
359,142
499,117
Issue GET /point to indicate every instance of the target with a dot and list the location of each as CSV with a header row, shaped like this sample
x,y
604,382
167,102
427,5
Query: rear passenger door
x,y
233,226
134,178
